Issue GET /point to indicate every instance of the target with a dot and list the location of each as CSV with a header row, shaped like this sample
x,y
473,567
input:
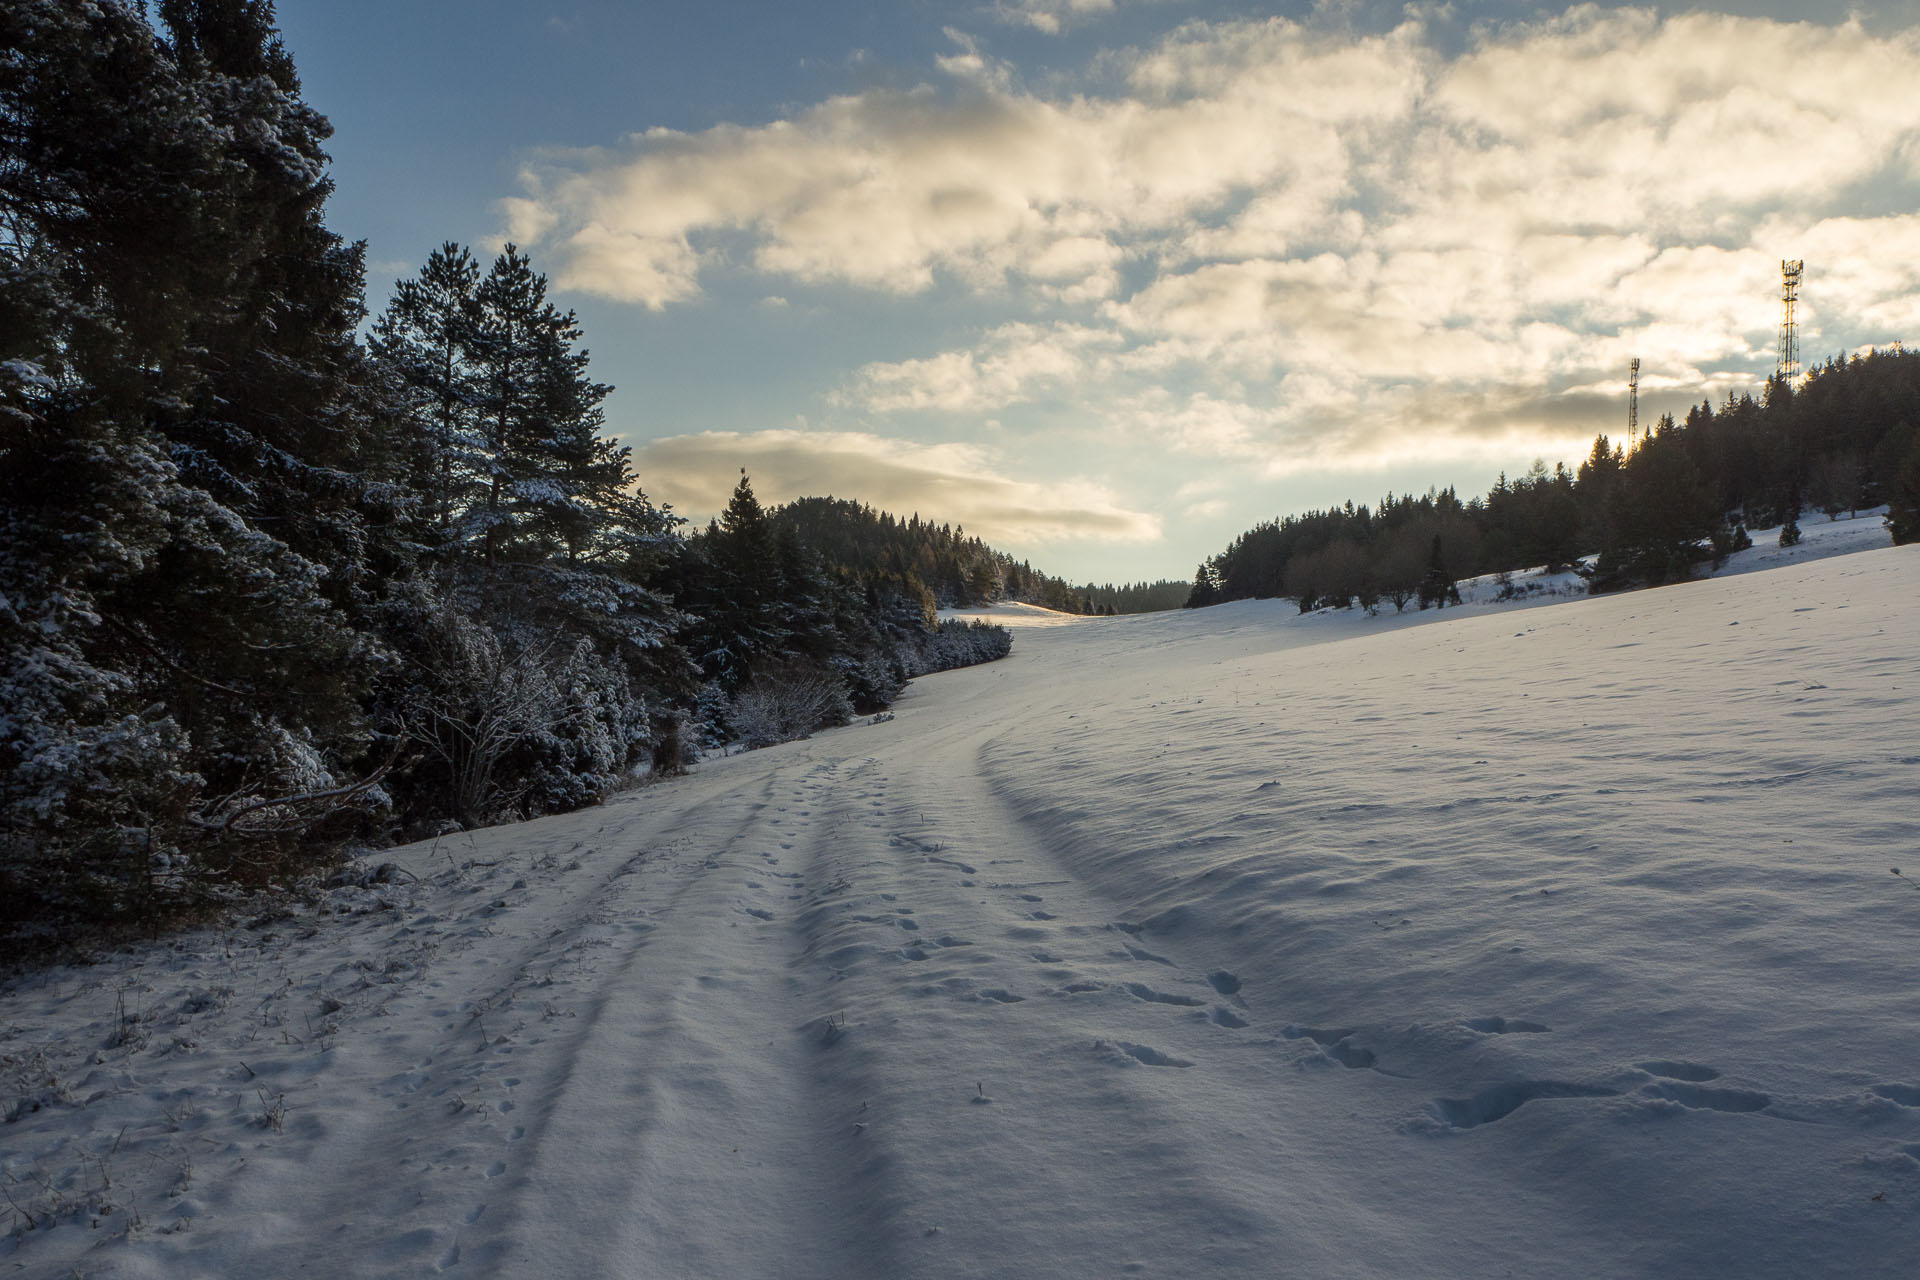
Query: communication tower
x,y
1633,402
1789,331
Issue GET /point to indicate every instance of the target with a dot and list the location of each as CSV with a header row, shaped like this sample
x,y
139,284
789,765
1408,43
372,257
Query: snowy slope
x,y
1529,941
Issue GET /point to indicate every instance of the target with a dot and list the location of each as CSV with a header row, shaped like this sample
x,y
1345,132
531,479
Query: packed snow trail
x,y
1529,942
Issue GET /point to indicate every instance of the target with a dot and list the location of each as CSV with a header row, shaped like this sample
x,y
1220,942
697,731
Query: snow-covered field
x,y
1541,939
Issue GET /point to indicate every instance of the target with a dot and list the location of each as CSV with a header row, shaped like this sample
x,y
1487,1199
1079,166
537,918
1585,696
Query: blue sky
x,y
1109,281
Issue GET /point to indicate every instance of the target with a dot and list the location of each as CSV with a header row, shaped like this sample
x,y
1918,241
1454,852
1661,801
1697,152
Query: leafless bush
x,y
788,700
474,703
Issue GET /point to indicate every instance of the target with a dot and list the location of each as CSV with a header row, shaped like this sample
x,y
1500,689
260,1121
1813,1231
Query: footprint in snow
x,y
1502,1100
1141,991
1680,1071
1144,1054
1335,1044
1696,1097
1503,1026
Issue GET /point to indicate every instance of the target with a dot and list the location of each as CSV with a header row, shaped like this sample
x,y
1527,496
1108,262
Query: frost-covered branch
x,y
230,821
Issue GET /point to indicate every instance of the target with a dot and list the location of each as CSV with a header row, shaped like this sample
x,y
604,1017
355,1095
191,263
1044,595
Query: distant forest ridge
x,y
1843,439
957,571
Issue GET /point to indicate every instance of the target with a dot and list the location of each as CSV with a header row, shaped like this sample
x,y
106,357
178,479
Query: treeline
x,y
1844,439
957,571
1136,597
266,587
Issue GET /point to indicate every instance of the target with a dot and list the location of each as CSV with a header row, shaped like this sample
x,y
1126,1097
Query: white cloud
x,y
982,182
1281,242
952,483
1055,16
1013,363
1050,16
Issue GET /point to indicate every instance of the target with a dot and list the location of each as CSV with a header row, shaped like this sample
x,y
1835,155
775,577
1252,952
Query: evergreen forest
x,y
1843,439
277,575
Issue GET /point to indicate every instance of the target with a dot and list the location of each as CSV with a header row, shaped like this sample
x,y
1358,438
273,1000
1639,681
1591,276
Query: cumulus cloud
x,y
1315,425
1050,16
1269,239
973,179
953,483
1013,363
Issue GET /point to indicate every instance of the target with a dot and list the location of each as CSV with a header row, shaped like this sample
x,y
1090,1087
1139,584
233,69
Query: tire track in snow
x,y
685,1123
569,1086
421,1118
982,1068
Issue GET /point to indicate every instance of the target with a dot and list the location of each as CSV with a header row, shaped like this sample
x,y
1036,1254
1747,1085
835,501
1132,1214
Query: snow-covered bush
x,y
598,729
709,726
955,643
787,700
471,704
874,677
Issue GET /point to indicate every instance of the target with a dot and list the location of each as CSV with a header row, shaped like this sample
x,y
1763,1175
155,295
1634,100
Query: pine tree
x,y
1437,586
180,527
1205,589
741,614
1903,500
510,349
425,340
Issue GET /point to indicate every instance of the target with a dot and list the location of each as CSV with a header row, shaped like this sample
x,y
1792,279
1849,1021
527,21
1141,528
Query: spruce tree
x,y
182,524
1903,500
1205,590
742,616
1437,587
509,348
425,340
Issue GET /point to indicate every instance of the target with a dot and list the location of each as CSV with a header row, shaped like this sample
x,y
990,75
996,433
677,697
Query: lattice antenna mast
x,y
1633,402
1789,330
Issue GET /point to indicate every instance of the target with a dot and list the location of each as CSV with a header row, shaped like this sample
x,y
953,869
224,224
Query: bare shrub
x,y
473,704
788,700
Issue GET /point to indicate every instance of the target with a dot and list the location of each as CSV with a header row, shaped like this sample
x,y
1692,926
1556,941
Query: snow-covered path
x,y
1527,941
